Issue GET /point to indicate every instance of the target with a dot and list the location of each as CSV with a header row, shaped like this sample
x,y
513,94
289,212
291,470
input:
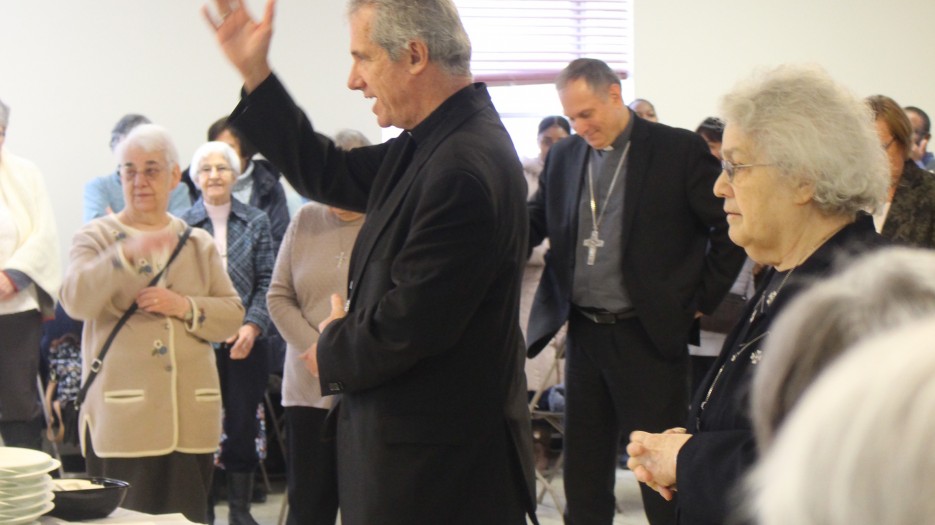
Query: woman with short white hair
x,y
242,236
801,169
152,414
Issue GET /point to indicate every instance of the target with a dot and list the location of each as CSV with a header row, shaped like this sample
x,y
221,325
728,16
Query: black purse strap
x,y
96,364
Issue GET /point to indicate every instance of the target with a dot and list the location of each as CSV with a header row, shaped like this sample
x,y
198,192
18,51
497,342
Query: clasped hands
x,y
310,356
653,458
155,299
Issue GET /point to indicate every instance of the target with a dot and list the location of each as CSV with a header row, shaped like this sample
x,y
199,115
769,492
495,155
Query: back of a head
x,y
348,139
711,128
124,126
150,138
926,129
812,128
879,291
886,109
435,22
857,450
219,126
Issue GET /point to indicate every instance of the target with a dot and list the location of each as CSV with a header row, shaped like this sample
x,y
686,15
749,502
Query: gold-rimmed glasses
x,y
730,168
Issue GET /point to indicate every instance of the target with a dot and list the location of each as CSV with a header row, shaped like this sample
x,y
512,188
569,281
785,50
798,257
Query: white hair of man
x,y
857,450
209,148
150,138
435,22
813,130
881,290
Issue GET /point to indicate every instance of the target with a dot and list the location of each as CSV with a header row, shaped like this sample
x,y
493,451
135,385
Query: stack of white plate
x,y
25,485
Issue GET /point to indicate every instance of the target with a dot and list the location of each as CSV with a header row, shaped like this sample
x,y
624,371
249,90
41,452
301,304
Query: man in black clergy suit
x,y
639,247
432,427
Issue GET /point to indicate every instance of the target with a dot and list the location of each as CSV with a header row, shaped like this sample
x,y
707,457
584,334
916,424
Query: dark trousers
x,y
616,382
243,382
167,484
19,365
312,469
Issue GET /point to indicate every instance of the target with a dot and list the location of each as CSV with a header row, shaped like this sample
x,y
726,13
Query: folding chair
x,y
555,420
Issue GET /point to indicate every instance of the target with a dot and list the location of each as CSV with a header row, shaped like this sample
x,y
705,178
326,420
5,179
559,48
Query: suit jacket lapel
x,y
390,182
573,188
637,171
391,194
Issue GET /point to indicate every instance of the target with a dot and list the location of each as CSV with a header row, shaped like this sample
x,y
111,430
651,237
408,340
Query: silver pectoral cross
x,y
592,243
341,258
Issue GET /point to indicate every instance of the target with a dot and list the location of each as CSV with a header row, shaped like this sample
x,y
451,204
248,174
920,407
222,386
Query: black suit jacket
x,y
432,425
677,257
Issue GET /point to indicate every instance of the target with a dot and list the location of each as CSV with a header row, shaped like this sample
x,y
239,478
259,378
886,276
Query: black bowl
x,y
89,504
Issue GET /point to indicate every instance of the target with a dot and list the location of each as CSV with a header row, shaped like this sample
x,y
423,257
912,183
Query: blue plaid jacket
x,y
250,256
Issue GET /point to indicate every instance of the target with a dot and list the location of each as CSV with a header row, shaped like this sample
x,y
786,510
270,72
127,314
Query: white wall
x,y
71,69
689,53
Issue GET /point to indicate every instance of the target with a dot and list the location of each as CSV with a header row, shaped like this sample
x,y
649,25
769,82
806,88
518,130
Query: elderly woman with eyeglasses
x,y
152,415
801,168
242,237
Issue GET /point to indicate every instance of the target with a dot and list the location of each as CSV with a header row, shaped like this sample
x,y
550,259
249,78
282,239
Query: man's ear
x,y
418,56
615,95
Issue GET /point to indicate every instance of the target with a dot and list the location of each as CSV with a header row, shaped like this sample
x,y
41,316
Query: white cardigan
x,y
36,251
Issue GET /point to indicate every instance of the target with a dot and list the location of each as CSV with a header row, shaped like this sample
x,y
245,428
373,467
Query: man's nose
x,y
353,80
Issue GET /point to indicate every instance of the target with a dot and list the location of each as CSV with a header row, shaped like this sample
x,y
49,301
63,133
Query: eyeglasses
x,y
150,173
731,168
886,147
221,169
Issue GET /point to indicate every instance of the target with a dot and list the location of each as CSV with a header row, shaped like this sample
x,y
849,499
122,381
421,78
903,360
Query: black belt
x,y
602,316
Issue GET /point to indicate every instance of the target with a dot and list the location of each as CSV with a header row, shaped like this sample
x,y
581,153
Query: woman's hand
x,y
310,356
7,290
242,342
243,40
310,359
653,458
156,300
146,245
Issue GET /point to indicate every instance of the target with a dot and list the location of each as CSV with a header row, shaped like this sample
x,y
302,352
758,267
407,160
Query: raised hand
x,y
244,41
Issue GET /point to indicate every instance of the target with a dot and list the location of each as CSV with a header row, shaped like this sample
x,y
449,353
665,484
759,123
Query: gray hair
x,y
124,126
435,22
879,291
596,74
4,115
150,138
348,139
209,148
814,130
861,437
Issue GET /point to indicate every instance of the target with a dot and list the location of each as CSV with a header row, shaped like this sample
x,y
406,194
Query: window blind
x,y
530,41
